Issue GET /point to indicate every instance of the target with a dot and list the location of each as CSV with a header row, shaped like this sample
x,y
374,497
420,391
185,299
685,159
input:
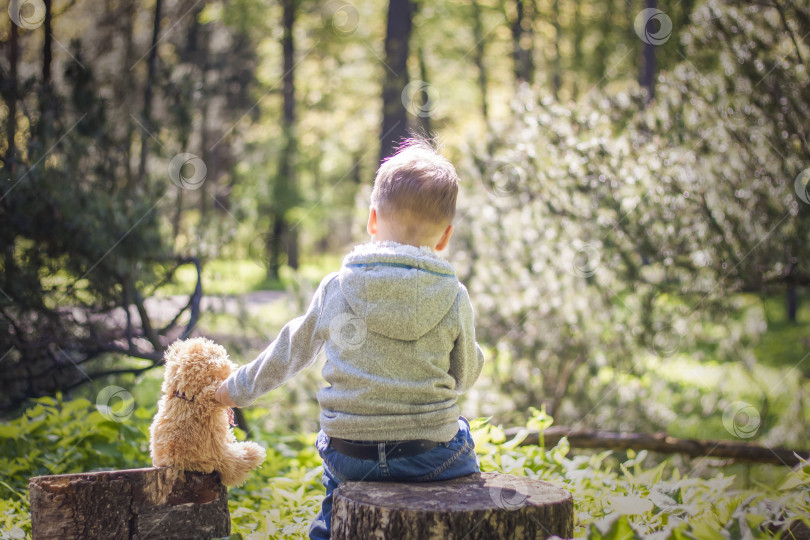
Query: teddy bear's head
x,y
195,366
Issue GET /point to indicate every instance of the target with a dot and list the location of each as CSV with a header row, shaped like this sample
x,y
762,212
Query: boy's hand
x,y
223,397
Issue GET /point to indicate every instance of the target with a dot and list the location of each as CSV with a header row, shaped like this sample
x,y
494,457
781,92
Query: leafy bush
x,y
612,498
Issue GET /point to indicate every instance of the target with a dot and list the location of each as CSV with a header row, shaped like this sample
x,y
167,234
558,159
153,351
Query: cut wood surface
x,y
129,504
661,442
479,506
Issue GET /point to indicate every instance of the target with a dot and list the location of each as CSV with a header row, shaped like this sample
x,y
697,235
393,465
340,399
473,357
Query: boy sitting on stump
x,y
397,328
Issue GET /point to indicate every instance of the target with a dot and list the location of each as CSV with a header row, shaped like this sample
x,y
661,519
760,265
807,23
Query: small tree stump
x,y
131,504
486,505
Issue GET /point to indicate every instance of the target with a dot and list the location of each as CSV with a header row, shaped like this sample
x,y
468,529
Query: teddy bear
x,y
191,430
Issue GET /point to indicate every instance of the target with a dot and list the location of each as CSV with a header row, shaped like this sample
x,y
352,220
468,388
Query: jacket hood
x,y
399,291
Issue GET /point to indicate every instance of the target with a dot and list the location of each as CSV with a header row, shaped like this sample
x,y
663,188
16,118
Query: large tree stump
x,y
131,504
479,506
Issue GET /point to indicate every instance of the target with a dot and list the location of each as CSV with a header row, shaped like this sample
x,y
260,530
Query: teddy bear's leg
x,y
239,459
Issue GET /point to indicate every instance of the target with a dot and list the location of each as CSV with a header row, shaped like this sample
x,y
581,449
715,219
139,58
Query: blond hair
x,y
416,189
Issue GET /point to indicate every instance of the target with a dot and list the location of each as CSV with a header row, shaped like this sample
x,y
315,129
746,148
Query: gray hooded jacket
x,y
397,329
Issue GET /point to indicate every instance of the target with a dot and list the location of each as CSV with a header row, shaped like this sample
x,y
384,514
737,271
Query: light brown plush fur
x,y
191,430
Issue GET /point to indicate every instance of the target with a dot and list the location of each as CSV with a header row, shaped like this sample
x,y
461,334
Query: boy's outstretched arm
x,y
295,348
466,358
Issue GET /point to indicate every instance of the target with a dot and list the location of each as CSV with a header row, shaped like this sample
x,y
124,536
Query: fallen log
x,y
130,504
661,442
476,507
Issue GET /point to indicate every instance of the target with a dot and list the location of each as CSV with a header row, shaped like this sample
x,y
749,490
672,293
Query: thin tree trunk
x,y
556,81
424,117
647,68
578,34
792,303
523,41
11,128
282,236
147,95
397,36
479,55
47,53
129,55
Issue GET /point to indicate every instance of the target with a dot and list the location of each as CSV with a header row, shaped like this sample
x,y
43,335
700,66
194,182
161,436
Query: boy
x,y
397,328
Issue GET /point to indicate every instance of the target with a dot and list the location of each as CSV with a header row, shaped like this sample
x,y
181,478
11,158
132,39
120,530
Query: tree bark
x,y
147,94
523,41
661,442
397,36
479,55
556,76
285,193
647,71
132,504
792,303
11,100
485,505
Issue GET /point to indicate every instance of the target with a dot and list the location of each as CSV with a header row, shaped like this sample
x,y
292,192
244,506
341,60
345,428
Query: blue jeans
x,y
447,460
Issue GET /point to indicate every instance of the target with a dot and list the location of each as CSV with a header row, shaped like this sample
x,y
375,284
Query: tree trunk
x,y
792,303
485,505
647,68
11,127
397,36
147,95
523,41
480,54
556,76
133,504
282,237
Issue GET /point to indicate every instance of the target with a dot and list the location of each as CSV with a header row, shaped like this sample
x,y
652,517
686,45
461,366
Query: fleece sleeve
x,y
294,349
466,358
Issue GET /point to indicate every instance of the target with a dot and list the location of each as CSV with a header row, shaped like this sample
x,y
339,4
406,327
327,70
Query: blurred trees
x,y
84,186
609,224
609,233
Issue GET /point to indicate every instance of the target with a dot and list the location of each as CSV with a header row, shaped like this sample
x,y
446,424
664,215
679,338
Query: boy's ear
x,y
371,226
445,239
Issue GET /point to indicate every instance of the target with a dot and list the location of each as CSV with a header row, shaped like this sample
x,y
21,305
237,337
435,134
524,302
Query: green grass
x,y
240,276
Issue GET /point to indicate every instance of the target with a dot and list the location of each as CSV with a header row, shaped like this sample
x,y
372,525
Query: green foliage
x,y
615,496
